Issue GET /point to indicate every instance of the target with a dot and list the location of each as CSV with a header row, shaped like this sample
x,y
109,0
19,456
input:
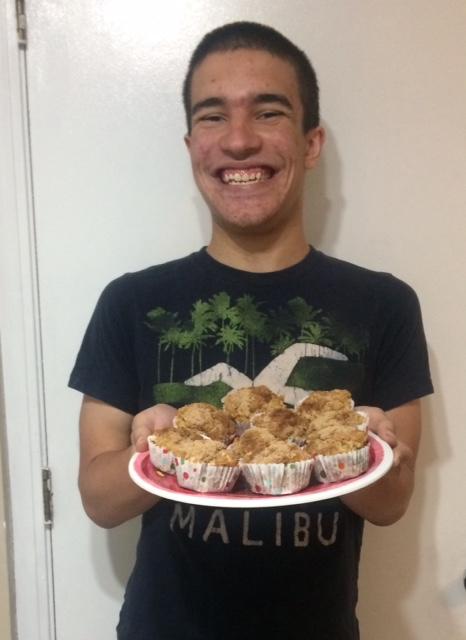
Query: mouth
x,y
245,175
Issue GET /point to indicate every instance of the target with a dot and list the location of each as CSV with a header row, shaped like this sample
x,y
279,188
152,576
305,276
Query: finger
x,y
141,443
378,420
139,435
158,417
396,458
374,413
385,431
154,418
404,456
161,416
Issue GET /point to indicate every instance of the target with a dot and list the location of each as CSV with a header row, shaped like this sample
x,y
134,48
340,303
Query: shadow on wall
x,y
323,202
396,559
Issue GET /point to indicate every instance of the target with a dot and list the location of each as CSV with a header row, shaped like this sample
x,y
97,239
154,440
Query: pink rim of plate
x,y
146,476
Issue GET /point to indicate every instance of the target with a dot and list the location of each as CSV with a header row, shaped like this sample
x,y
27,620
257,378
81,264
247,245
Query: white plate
x,y
146,476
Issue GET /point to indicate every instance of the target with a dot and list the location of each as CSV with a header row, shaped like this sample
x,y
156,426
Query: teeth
x,y
244,176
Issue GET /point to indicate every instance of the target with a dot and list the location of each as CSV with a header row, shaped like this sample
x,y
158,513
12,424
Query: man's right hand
x,y
156,418
109,437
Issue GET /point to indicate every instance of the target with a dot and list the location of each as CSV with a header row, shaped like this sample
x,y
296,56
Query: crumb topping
x,y
335,400
335,439
172,440
324,424
318,420
209,452
241,404
204,419
259,446
282,423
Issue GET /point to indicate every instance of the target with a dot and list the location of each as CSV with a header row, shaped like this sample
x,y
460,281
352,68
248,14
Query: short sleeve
x,y
105,366
401,365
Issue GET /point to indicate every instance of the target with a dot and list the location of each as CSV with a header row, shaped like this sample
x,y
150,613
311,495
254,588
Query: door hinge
x,y
47,495
21,25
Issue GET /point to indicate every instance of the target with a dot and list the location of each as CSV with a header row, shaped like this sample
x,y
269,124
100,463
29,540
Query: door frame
x,y
24,431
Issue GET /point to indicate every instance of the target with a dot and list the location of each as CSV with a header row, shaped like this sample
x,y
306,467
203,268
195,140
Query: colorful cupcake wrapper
x,y
365,424
161,457
205,478
341,466
277,479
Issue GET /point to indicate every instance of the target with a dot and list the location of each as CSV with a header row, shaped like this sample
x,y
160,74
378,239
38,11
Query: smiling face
x,y
248,150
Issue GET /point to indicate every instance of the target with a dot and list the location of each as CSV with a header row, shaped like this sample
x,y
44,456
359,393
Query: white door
x,y
112,192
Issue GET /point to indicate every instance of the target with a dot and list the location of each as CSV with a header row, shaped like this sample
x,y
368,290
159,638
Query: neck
x,y
259,253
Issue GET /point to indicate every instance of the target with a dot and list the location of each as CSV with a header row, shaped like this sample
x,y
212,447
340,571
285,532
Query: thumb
x,y
159,417
155,418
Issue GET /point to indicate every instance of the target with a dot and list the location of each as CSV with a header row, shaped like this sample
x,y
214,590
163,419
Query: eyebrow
x,y
205,104
273,98
261,98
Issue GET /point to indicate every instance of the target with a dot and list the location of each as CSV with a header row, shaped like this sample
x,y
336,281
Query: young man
x,y
258,294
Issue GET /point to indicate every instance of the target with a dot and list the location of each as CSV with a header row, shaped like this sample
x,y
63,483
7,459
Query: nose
x,y
240,139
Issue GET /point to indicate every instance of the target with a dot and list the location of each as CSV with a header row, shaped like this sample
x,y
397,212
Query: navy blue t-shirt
x,y
189,331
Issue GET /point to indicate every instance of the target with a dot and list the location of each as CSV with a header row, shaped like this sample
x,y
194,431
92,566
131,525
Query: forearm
x,y
386,501
108,494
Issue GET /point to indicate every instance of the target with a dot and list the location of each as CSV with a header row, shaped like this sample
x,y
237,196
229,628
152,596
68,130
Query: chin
x,y
247,223
243,216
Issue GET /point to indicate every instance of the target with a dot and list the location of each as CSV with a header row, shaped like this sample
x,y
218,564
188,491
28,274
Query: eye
x,y
210,117
268,115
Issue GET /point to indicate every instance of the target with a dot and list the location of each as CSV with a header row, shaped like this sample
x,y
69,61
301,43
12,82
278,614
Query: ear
x,y
315,139
187,141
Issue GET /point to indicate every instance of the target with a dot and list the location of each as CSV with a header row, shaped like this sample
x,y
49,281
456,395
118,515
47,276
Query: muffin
x,y
317,401
340,452
326,418
206,466
272,466
205,420
243,403
284,424
336,439
163,447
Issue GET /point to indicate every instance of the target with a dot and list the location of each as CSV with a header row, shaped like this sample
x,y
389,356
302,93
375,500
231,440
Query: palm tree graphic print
x,y
303,343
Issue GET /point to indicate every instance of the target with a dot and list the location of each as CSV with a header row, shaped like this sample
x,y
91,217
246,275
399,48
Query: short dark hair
x,y
252,35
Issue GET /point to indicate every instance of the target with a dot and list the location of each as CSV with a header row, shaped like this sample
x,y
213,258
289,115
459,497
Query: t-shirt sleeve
x,y
105,366
402,365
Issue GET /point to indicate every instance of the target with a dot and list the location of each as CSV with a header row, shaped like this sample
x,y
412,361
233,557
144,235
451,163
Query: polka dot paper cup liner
x,y
205,478
277,479
341,466
363,426
161,457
